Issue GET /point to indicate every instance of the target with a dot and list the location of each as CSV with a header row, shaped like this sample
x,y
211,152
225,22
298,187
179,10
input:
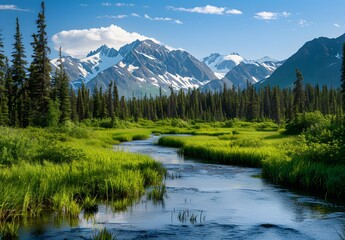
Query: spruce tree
x,y
97,103
11,98
110,101
276,105
2,60
85,94
39,80
73,101
343,79
123,114
63,92
104,103
18,59
19,77
116,100
3,92
80,105
298,95
253,109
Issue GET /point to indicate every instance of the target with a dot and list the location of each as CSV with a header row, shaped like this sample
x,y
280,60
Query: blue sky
x,y
275,28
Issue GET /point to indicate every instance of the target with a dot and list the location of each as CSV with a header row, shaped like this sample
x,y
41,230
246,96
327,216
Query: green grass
x,y
276,153
45,170
247,147
157,194
103,234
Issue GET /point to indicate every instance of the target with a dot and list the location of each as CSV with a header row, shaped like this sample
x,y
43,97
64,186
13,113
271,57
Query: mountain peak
x,y
129,47
105,51
266,59
211,58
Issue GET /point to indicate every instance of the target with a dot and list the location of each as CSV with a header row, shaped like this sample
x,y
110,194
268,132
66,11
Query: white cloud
x,y
113,16
124,4
336,25
233,12
285,14
271,15
266,15
158,18
204,10
78,43
164,19
208,9
304,23
12,7
83,5
135,15
106,4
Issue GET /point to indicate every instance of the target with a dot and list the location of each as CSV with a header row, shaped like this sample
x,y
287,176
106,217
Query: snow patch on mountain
x,y
131,68
219,75
222,64
98,63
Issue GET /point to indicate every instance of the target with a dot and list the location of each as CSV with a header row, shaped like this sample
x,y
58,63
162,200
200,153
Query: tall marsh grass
x,y
285,159
247,149
66,176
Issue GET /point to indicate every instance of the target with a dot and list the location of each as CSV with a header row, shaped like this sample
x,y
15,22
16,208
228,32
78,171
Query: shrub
x,y
179,123
266,126
230,123
304,121
323,144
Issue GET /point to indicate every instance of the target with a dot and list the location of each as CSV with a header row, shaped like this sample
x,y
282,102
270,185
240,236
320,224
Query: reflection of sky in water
x,y
233,203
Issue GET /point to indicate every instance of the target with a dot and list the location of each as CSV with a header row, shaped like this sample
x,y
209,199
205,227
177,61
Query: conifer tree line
x,y
30,95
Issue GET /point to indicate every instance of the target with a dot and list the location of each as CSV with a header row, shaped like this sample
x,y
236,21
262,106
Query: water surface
x,y
204,201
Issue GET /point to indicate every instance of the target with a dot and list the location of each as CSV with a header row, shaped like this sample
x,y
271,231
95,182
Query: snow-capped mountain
x,y
146,66
222,64
85,69
235,70
138,68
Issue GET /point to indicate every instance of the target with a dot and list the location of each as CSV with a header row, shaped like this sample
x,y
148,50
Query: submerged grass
x,y
67,181
103,234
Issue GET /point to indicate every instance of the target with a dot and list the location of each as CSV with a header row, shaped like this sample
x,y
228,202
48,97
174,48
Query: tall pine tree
x,y
298,94
3,93
19,79
343,79
39,81
63,92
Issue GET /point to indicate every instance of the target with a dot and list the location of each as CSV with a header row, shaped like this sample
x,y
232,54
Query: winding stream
x,y
204,201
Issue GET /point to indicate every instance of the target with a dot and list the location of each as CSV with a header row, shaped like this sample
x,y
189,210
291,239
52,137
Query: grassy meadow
x,y
68,170
312,162
73,168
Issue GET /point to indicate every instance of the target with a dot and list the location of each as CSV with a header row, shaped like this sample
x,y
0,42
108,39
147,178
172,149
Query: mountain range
x,y
319,61
234,70
142,67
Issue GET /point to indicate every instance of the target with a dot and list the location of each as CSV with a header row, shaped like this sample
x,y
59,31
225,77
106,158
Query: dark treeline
x,y
279,105
32,96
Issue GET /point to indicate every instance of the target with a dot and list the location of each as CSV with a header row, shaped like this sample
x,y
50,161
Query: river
x,y
204,201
